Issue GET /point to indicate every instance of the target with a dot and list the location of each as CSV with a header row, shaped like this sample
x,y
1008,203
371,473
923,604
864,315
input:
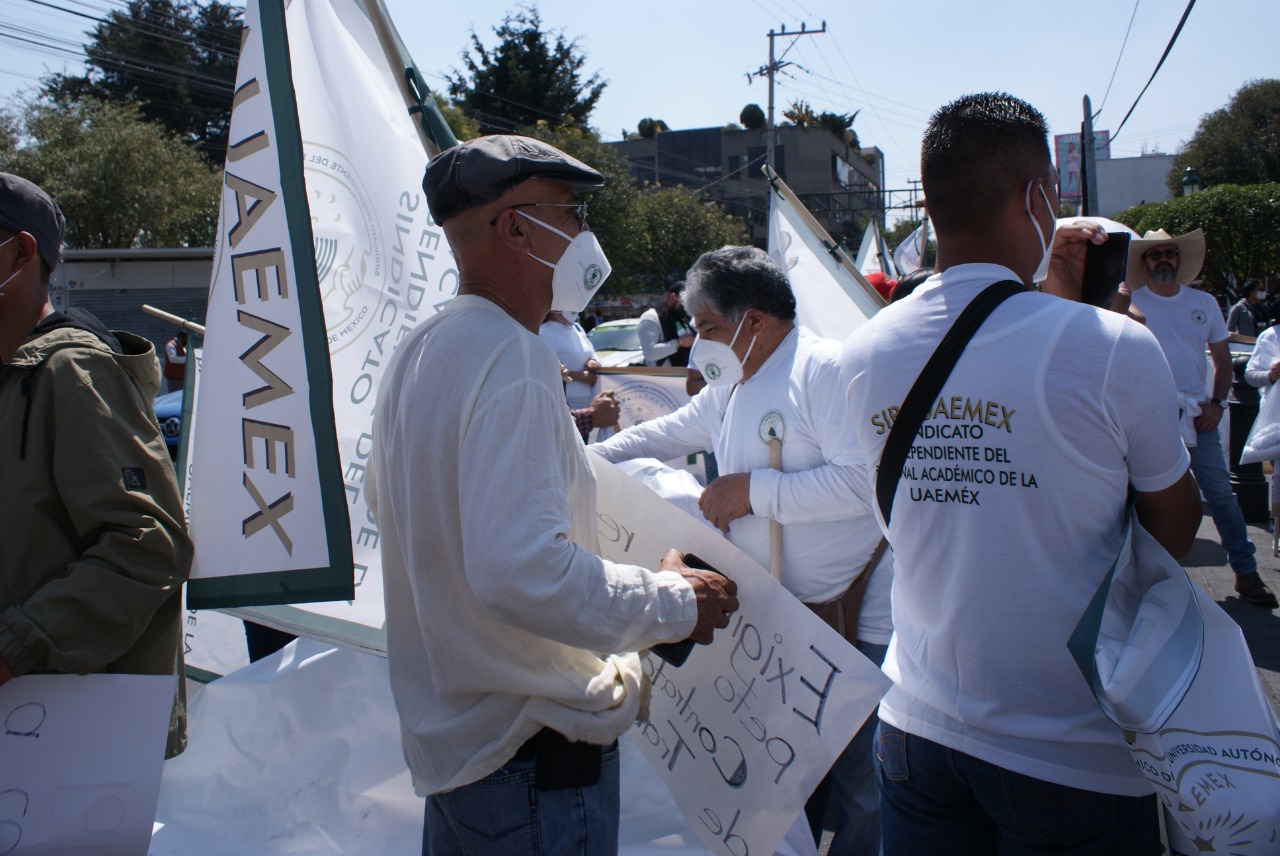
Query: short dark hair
x,y
731,280
976,152
910,283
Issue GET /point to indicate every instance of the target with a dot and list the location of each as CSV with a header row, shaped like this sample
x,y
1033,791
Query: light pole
x,y
1190,182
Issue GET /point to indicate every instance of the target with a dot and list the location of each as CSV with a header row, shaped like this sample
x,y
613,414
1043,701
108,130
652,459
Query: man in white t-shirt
x,y
505,632
1186,321
1008,513
771,380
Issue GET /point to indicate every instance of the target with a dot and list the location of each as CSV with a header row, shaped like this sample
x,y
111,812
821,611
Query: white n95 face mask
x,y
1042,271
581,271
717,361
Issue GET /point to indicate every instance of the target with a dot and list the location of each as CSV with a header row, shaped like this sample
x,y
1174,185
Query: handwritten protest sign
x,y
743,731
80,759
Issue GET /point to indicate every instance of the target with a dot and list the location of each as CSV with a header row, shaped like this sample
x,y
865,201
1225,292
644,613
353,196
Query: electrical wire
x,y
1118,58
1163,57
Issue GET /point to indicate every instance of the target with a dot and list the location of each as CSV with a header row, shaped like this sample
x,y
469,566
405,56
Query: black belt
x,y
561,764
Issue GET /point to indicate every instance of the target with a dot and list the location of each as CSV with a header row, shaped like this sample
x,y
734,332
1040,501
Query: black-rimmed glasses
x,y
579,210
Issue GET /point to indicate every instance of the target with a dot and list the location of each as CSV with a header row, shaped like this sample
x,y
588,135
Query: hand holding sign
x,y
716,595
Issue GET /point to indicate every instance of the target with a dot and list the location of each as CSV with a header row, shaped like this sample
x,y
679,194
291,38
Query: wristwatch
x,y
1221,402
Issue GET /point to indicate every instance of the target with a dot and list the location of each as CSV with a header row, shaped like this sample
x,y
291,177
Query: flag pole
x,y
780,187
432,129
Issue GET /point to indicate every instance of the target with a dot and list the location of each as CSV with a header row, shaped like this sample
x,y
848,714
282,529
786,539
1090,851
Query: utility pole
x,y
1088,164
775,65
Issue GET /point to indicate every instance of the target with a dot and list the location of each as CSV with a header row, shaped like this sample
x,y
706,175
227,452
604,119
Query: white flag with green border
x,y
376,265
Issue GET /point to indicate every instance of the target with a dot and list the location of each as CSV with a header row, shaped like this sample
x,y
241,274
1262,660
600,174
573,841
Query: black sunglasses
x,y
1167,253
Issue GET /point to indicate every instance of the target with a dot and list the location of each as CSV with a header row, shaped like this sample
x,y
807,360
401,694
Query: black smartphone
x,y
676,653
1104,267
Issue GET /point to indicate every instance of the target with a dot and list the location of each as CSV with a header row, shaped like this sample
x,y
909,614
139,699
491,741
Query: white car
x,y
617,343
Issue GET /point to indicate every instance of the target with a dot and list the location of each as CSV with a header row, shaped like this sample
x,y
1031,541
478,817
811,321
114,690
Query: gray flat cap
x,y
24,207
480,170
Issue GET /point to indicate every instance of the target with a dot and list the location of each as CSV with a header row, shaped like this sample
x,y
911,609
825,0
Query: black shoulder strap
x,y
928,386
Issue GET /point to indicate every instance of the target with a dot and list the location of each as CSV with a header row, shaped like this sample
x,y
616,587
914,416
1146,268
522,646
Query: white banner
x,y
829,301
743,731
80,759
264,491
382,267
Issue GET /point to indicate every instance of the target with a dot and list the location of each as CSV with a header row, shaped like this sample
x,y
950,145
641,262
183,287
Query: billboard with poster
x,y
1068,150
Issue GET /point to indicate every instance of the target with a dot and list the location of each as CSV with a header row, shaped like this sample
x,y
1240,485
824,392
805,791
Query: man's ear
x,y
27,252
513,230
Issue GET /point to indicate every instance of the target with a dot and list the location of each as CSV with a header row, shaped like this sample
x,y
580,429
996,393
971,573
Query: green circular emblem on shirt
x,y
773,425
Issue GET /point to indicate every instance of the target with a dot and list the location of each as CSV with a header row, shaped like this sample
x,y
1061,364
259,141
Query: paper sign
x,y
742,732
80,760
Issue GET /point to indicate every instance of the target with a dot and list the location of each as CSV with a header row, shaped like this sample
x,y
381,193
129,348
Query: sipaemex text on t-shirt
x,y
960,454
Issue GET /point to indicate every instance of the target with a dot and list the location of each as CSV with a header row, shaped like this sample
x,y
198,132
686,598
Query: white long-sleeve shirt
x,y
485,502
821,496
649,332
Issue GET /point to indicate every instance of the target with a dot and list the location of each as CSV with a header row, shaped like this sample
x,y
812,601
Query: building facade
x,y
841,185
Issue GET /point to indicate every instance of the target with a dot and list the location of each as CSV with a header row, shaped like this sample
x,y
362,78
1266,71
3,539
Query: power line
x,y
1163,56
1118,58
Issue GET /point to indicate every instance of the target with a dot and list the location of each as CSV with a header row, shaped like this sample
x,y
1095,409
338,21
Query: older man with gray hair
x,y
506,632
773,412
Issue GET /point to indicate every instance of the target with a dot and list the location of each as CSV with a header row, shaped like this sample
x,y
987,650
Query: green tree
x,y
1240,225
463,126
672,226
528,77
650,128
752,117
177,60
120,180
841,126
1239,144
801,115
649,233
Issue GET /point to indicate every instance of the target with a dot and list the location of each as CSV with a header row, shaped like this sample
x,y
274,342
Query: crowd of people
x,y
513,648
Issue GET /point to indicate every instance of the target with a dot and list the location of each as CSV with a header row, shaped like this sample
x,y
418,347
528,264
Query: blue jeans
x,y
504,814
848,799
1210,470
937,800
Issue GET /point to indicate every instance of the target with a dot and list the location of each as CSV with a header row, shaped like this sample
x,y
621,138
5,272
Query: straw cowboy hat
x,y
1190,256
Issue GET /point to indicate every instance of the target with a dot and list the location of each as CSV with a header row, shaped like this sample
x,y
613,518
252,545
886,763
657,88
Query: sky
x,y
687,62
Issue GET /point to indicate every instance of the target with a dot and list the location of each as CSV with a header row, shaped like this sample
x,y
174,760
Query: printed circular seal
x,y
350,252
1198,316
772,425
642,400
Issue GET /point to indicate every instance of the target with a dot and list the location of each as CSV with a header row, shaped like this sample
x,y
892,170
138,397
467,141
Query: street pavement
x,y
1207,566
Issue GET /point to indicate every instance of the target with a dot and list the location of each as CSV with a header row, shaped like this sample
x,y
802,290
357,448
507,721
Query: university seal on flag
x,y
351,261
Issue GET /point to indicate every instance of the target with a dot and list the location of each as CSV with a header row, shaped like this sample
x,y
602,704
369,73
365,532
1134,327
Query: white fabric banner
x,y
910,252
382,265
256,476
828,300
278,764
80,759
745,729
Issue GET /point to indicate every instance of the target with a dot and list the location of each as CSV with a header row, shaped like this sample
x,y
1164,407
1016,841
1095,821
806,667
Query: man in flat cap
x,y
95,550
1186,321
505,632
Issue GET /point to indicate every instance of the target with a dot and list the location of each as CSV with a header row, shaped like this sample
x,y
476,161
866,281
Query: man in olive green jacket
x,y
94,548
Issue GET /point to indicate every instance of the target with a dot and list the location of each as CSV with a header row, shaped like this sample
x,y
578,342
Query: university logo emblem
x,y
592,275
351,263
772,425
1198,316
711,370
